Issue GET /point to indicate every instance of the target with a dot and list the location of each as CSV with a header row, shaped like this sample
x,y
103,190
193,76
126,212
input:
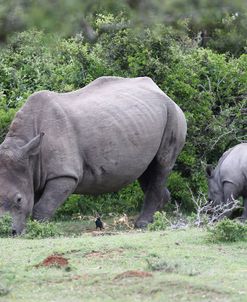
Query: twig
x,y
213,212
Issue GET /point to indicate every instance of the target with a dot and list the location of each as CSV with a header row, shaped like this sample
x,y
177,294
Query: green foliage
x,y
232,28
227,230
220,25
160,222
35,229
5,226
178,186
34,61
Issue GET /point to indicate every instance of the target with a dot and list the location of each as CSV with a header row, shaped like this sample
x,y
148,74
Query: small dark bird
x,y
99,223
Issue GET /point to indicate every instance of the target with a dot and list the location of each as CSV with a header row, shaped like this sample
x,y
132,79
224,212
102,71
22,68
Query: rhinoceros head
x,y
16,180
215,188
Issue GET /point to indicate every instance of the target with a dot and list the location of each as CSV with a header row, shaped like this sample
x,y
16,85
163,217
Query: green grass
x,y
184,267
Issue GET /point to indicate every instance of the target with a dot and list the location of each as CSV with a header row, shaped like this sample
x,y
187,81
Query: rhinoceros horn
x,y
33,146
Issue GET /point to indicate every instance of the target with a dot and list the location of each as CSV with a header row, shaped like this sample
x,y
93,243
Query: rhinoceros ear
x,y
209,170
33,147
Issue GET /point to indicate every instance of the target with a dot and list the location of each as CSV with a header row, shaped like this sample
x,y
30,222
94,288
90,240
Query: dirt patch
x,y
54,260
104,254
130,274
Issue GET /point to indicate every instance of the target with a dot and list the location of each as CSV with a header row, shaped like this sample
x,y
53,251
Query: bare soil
x,y
54,260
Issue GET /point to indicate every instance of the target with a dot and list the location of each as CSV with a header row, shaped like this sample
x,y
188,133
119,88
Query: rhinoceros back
x,y
233,165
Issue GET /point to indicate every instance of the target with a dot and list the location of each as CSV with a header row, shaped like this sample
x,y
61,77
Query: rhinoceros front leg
x,y
230,193
55,193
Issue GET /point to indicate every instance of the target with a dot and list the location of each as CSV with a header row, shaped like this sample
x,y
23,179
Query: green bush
x,y
160,222
5,226
35,229
227,230
220,25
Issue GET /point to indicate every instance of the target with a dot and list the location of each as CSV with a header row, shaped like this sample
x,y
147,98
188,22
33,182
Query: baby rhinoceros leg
x,y
231,193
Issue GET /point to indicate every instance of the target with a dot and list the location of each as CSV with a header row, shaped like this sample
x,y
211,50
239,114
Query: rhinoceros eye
x,y
18,199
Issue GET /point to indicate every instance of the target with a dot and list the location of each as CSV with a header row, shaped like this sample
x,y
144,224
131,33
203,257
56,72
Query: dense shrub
x,y
160,222
227,230
128,201
220,25
209,87
35,229
5,226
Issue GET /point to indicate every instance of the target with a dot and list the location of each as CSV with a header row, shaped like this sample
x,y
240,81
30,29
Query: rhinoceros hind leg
x,y
55,193
152,182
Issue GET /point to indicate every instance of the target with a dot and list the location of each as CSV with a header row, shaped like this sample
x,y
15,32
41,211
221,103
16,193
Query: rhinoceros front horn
x,y
33,146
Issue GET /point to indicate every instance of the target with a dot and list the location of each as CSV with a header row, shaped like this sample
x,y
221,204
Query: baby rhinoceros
x,y
229,179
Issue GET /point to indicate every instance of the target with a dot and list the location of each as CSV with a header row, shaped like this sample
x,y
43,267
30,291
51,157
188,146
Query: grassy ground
x,y
182,266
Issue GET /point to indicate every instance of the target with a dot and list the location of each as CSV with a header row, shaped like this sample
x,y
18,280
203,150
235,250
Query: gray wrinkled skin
x,y
229,179
97,139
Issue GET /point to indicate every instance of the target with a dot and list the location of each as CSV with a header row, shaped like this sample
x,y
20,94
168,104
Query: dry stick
x,y
221,210
199,203
180,222
214,212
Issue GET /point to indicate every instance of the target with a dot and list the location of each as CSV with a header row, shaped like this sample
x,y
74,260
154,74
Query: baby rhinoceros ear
x,y
209,171
33,146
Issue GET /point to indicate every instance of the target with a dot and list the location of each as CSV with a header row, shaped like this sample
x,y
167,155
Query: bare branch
x,y
211,211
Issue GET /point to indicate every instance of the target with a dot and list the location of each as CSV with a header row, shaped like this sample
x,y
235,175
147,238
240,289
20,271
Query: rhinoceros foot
x,y
142,223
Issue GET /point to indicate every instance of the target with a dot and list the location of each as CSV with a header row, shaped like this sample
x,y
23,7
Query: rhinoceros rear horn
x,y
33,146
209,170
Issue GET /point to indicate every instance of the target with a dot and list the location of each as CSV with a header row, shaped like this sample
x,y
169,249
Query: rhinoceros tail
x,y
174,136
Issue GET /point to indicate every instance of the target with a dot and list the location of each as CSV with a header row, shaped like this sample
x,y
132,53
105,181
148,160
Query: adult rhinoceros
x,y
94,140
229,179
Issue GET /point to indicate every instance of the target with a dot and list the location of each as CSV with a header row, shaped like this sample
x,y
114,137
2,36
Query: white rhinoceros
x,y
97,139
